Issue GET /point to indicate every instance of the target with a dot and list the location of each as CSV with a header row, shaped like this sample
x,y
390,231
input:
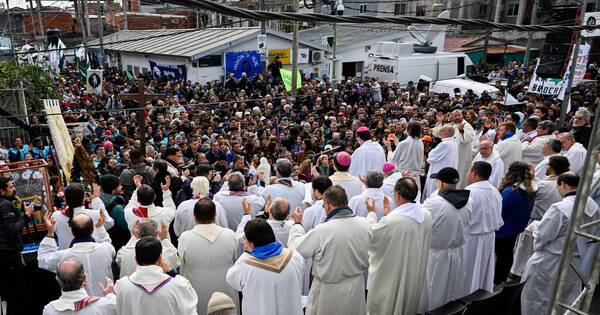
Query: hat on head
x,y
448,175
427,138
388,167
362,129
343,158
219,301
328,147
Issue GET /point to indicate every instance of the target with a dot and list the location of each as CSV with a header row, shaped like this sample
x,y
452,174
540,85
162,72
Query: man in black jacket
x,y
12,222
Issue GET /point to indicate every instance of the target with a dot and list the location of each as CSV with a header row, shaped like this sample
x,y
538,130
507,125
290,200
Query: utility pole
x,y
295,52
530,34
41,20
32,19
10,29
337,8
124,11
79,12
100,12
263,30
485,49
86,14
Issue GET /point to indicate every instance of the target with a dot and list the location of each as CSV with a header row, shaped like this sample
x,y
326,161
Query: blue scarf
x,y
82,240
507,135
266,251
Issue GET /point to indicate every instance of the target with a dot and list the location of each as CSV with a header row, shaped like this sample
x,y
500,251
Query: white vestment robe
x,y
232,203
497,167
398,270
351,184
151,291
547,194
271,286
465,156
408,155
95,257
532,151
339,248
444,281
540,168
164,214
576,155
486,218
388,188
281,229
64,236
542,268
357,203
66,304
184,217
370,156
509,150
207,251
313,216
445,154
294,195
126,256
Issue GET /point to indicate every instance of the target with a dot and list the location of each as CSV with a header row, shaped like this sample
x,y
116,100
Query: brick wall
x,y
59,20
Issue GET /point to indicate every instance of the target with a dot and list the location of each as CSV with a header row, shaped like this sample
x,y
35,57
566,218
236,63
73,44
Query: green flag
x,y
286,76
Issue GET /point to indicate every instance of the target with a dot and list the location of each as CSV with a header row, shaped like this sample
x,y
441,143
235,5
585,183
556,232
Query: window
x,y
130,68
144,70
400,9
483,10
136,70
421,10
362,9
513,9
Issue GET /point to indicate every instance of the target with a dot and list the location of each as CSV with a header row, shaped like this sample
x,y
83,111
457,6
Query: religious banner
x,y
178,72
283,54
286,77
558,86
61,139
239,62
93,82
303,55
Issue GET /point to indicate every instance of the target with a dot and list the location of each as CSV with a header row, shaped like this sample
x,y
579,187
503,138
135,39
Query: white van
x,y
448,86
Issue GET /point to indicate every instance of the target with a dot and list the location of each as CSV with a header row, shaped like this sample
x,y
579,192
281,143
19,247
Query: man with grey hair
x,y
231,199
532,146
74,299
278,211
581,128
572,150
285,186
374,181
445,154
126,255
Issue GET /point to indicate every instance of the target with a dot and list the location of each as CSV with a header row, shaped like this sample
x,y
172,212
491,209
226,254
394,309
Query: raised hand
x,y
49,223
246,206
110,287
101,219
370,204
137,180
167,183
387,205
297,215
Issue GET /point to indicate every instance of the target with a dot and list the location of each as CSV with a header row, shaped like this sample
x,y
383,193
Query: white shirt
x,y
532,151
357,203
540,168
126,256
509,150
63,232
497,167
233,206
294,195
576,155
184,217
65,304
408,155
313,216
351,184
368,157
163,214
485,208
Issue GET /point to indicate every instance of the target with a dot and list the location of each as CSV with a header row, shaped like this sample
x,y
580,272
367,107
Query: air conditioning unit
x,y
317,56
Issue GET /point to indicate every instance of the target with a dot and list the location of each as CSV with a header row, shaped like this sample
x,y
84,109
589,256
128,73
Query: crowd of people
x,y
375,197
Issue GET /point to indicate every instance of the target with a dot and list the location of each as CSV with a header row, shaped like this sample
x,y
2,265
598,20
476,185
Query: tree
x,y
37,82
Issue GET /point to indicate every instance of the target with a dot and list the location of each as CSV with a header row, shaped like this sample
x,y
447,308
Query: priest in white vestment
x,y
75,194
486,217
509,146
464,135
141,205
268,275
541,272
126,255
231,199
487,154
184,217
397,273
574,151
409,153
450,229
277,212
369,156
153,288
285,186
339,249
207,251
74,299
374,181
553,147
532,147
445,154
351,184
315,214
96,257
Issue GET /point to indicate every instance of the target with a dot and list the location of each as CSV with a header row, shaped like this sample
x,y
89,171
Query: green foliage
x,y
38,83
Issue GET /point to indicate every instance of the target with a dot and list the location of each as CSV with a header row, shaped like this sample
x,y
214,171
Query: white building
x,y
202,51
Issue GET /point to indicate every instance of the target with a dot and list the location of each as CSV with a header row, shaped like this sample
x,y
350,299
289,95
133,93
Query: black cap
x,y
109,182
448,175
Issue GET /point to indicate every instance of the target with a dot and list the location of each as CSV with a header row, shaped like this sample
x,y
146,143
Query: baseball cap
x,y
448,175
427,138
343,158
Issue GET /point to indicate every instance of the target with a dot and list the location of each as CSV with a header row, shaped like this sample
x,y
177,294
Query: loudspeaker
x,y
558,46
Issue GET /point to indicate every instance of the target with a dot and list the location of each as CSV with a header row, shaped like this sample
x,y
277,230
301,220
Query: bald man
x,y
277,210
71,277
445,154
463,134
574,151
487,154
96,257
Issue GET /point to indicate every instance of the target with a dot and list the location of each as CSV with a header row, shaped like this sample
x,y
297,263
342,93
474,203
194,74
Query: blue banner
x,y
178,72
239,62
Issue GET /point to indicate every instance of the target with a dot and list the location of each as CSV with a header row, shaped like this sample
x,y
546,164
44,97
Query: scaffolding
x,y
577,228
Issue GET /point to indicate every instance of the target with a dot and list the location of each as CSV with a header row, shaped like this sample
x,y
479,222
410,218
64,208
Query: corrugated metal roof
x,y
175,42
350,35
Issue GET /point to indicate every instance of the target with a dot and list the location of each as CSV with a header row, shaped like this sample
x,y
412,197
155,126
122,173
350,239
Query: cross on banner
x,y
142,98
